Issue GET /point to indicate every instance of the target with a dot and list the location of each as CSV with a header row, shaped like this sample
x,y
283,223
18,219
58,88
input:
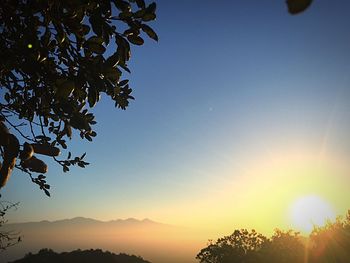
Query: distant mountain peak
x,y
131,219
77,220
147,220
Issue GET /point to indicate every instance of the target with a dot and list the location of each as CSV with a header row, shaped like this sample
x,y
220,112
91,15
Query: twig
x,y
15,127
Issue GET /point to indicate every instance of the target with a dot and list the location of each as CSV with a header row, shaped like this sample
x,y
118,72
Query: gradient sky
x,y
240,109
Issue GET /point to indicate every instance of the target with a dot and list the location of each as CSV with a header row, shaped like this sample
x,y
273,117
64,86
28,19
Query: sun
x,y
309,211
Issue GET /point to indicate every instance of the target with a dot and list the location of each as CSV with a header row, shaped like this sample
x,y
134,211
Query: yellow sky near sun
x,y
262,197
276,185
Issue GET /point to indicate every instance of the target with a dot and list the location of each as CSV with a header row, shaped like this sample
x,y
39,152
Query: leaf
x,y
107,32
7,97
87,136
141,3
149,31
298,6
65,88
46,37
148,17
113,60
64,145
125,15
123,49
43,138
94,44
96,24
68,130
136,40
112,73
47,192
85,29
152,8
139,13
92,97
61,37
125,68
122,5
123,82
96,48
78,121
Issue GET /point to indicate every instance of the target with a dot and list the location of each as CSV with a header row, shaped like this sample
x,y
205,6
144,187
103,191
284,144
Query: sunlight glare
x,y
309,211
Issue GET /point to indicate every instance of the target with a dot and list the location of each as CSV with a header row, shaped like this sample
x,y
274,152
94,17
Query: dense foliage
x,y
54,67
328,244
86,256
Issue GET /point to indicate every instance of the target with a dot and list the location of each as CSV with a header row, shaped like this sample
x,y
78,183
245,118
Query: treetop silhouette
x,y
328,244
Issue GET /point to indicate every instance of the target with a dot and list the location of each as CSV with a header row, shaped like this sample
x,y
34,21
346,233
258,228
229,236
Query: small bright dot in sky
x,y
29,45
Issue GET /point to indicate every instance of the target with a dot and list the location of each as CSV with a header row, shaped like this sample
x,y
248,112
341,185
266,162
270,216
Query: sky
x,y
241,110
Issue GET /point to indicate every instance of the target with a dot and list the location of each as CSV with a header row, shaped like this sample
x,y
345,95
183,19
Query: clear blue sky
x,y
229,83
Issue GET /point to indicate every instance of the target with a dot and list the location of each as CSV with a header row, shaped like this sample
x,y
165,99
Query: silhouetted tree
x,y
54,68
283,247
241,246
328,244
331,243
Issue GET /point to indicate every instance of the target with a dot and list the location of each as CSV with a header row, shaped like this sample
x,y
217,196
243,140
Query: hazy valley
x,y
153,241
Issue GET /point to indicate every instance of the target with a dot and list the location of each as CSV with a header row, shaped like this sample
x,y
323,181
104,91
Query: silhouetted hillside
x,y
86,256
